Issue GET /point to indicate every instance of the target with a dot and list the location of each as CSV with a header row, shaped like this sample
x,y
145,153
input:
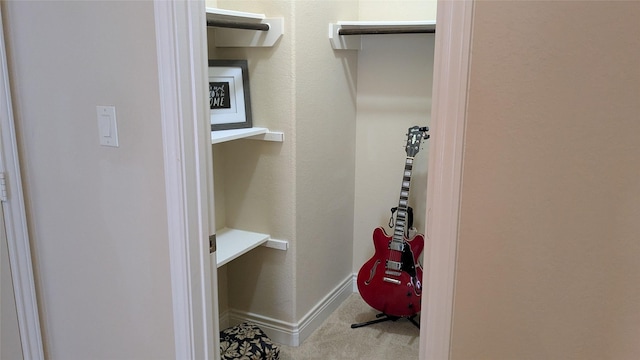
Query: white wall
x,y
395,77
393,10
548,243
325,156
97,215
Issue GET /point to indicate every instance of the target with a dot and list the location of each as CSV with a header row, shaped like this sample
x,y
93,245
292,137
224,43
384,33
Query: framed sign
x,y
229,96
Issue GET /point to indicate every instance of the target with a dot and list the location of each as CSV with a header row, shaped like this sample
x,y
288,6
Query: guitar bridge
x,y
393,281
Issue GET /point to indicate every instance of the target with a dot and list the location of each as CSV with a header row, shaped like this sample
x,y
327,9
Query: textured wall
x,y
415,10
395,77
548,249
97,215
325,152
255,180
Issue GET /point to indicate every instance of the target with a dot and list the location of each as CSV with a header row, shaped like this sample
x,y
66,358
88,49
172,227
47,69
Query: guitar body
x,y
395,291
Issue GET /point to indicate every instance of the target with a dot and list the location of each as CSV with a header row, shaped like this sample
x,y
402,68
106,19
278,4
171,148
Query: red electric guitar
x,y
391,281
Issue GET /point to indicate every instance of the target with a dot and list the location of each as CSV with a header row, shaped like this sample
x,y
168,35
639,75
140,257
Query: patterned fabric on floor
x,y
247,341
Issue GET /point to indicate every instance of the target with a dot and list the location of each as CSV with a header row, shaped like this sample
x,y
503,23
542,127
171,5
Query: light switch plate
x,y
107,125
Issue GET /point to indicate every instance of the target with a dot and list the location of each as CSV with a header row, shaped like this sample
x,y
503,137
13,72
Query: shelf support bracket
x,y
339,42
276,244
269,136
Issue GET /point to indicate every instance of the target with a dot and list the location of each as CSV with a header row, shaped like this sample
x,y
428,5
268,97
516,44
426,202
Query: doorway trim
x,y
182,62
451,77
179,33
16,222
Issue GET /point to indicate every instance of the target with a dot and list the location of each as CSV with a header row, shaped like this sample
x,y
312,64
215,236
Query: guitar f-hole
x,y
372,273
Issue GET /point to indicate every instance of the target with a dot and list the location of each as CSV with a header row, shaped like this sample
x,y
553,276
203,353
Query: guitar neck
x,y
403,204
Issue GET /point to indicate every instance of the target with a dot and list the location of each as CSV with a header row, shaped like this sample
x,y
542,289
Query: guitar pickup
x,y
394,265
397,246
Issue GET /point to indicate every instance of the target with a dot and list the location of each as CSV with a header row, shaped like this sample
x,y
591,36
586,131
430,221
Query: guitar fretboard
x,y
403,204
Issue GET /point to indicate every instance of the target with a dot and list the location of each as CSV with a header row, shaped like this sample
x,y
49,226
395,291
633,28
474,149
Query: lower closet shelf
x,y
231,243
253,133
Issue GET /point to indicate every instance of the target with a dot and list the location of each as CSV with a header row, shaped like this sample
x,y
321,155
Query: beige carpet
x,y
336,340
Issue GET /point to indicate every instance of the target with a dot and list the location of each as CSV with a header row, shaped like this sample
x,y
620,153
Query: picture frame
x,y
229,95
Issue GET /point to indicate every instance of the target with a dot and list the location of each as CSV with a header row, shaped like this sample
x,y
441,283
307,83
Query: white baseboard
x,y
293,334
224,320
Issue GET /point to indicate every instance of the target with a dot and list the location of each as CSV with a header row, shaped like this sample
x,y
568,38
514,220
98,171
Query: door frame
x,y
180,27
188,168
451,77
16,222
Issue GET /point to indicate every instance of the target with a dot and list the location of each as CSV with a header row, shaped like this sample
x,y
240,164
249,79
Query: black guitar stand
x,y
382,317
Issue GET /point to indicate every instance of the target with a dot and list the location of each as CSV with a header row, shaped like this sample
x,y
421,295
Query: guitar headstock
x,y
415,134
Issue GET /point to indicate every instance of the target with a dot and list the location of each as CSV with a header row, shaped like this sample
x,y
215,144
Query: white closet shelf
x,y
253,133
244,29
231,243
346,35
222,14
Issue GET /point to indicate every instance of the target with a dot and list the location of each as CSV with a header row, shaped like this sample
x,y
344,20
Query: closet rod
x,y
238,25
385,30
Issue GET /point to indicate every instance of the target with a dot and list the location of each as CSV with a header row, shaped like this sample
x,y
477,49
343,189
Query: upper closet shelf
x,y
243,29
254,133
346,35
